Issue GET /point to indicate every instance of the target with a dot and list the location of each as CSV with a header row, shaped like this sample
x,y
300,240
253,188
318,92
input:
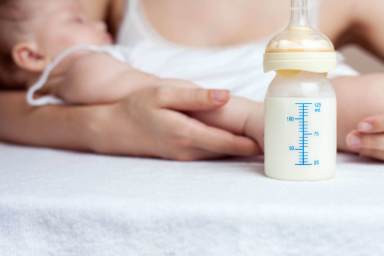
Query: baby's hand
x,y
368,139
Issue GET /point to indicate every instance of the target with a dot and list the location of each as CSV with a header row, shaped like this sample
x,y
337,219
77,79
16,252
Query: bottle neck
x,y
299,13
300,73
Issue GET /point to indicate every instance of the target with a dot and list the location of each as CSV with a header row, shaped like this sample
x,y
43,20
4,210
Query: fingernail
x,y
219,96
365,127
354,141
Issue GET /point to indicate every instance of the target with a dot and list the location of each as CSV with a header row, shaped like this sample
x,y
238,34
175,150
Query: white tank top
x,y
238,68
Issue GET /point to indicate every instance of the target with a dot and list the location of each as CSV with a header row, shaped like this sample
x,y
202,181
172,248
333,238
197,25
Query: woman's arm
x,y
361,99
354,22
367,26
361,114
143,124
358,97
54,126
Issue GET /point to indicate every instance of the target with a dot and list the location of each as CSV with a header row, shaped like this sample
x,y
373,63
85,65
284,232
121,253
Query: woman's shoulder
x,y
338,19
334,17
350,21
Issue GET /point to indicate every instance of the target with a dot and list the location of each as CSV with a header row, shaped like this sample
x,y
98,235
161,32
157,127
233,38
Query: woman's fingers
x,y
197,134
190,133
374,124
159,129
191,99
192,155
222,142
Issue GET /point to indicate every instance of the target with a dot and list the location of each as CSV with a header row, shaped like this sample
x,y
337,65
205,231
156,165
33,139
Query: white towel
x,y
65,204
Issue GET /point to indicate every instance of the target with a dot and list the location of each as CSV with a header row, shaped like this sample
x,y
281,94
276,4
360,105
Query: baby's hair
x,y
12,14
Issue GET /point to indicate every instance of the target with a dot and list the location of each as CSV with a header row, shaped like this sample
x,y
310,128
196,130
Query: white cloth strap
x,y
53,100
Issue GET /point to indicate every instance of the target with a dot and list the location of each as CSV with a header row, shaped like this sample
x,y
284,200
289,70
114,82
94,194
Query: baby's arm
x,y
99,78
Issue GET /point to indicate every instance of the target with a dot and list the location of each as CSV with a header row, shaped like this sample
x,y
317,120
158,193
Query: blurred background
x,y
361,60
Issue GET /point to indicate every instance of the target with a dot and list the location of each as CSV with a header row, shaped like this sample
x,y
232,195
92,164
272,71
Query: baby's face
x,y
62,24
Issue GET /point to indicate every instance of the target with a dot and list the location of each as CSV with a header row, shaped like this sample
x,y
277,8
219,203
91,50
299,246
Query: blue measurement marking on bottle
x,y
306,138
304,134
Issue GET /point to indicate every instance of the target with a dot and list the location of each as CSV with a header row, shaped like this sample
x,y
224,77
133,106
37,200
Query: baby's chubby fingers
x,y
372,153
371,145
374,124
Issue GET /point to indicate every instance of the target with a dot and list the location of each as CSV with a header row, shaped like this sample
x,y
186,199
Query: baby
x,y
35,32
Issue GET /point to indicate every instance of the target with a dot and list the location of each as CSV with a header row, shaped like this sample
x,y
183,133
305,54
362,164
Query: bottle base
x,y
298,178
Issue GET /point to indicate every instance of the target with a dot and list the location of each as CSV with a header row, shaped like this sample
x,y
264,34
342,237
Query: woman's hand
x,y
368,139
148,122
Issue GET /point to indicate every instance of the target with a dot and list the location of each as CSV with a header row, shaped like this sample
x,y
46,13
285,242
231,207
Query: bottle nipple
x,y
299,46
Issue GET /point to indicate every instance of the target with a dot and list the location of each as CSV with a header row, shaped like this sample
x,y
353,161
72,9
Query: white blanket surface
x,y
65,204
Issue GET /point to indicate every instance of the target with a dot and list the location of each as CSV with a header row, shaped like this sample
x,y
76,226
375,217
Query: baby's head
x,y
34,31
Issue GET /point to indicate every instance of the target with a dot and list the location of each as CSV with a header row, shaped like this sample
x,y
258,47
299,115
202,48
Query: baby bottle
x,y
300,106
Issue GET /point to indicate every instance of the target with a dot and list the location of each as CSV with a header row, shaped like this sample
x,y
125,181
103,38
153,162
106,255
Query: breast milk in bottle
x,y
300,107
